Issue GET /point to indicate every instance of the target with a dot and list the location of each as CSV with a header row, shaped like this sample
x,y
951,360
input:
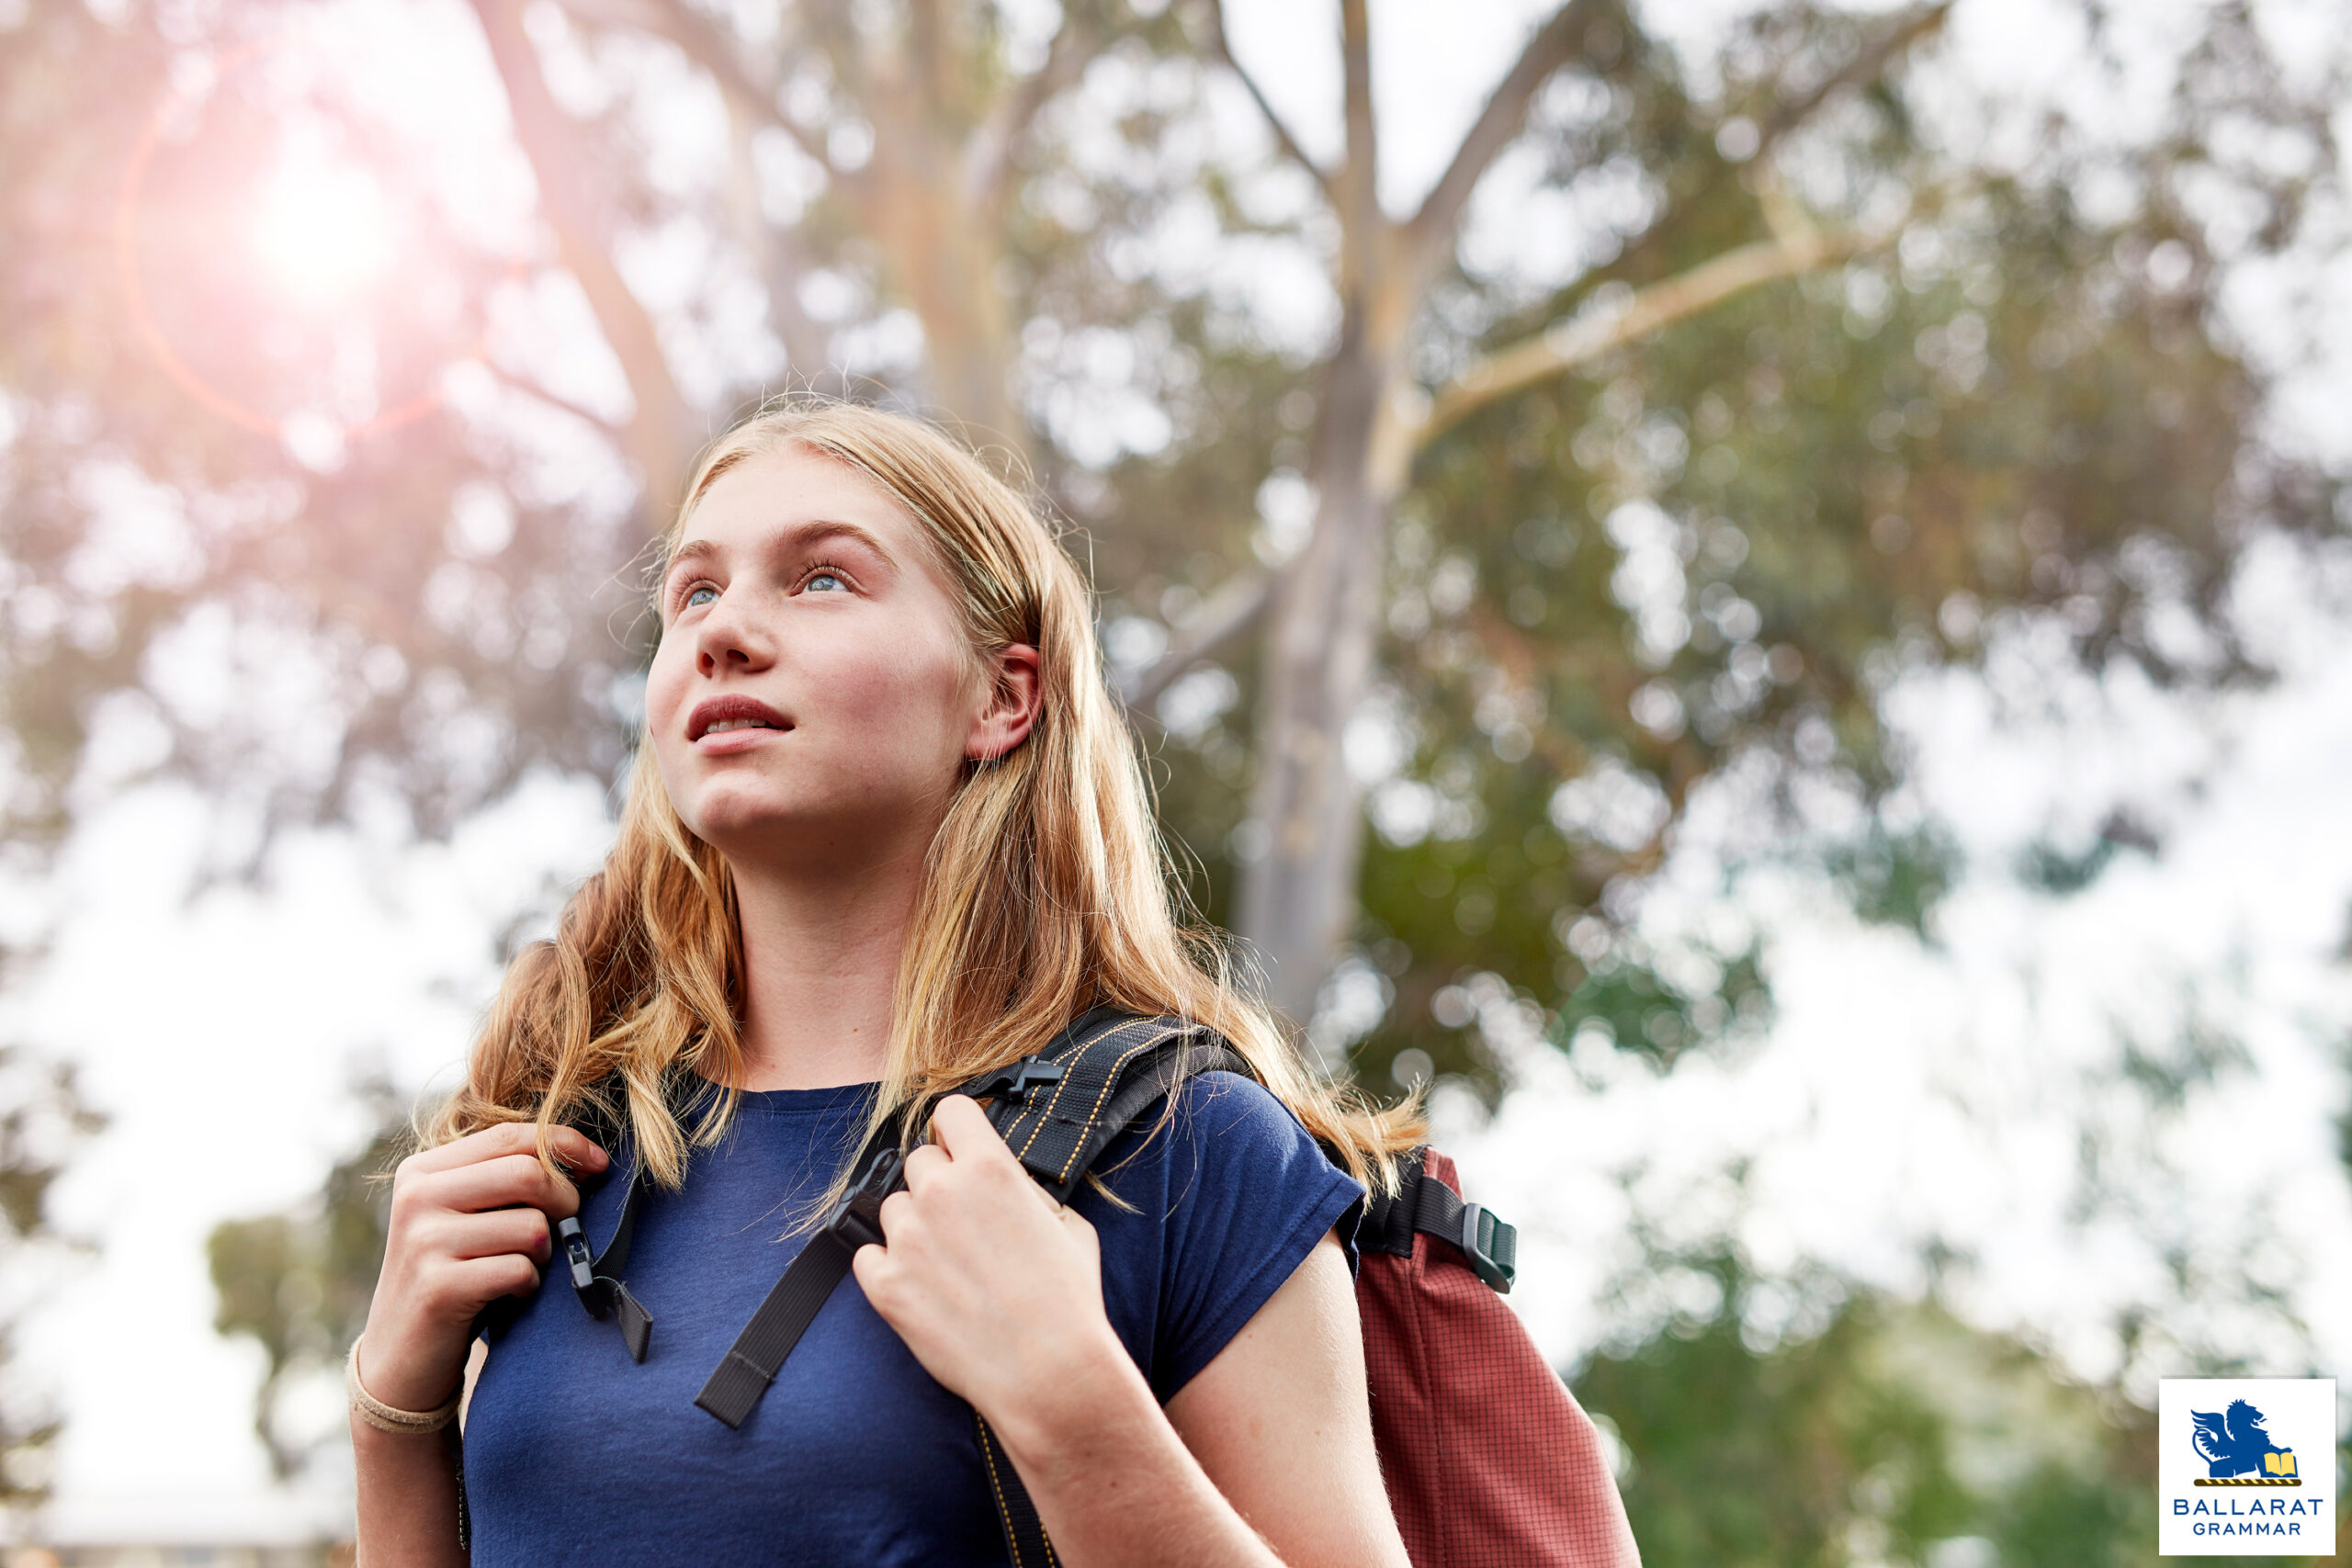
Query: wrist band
x,y
384,1417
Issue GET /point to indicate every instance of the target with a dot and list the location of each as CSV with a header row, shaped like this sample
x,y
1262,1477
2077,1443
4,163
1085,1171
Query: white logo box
x,y
2224,1486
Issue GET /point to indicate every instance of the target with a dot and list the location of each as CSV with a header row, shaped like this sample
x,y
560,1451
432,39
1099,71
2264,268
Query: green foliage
x,y
1692,572
1875,1432
41,1118
1796,1456
300,1283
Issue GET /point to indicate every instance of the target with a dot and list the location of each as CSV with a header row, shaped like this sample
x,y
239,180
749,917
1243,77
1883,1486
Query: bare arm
x,y
998,1292
468,1224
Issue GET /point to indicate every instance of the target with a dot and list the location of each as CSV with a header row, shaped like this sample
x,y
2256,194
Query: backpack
x,y
1489,1460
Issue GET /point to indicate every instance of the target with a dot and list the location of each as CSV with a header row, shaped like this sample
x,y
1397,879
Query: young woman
x,y
885,832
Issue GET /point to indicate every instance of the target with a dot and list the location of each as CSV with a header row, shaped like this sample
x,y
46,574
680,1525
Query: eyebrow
x,y
799,537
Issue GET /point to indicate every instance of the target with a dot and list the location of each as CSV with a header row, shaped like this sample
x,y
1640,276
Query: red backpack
x,y
1489,1460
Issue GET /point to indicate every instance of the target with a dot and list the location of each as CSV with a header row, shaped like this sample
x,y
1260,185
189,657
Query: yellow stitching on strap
x,y
988,1458
1109,1083
1046,1110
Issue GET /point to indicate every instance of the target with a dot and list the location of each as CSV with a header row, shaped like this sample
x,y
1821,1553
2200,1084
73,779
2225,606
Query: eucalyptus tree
x,y
1817,389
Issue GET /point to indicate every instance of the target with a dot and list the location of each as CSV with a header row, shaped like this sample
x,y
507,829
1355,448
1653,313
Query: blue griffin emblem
x,y
2233,1444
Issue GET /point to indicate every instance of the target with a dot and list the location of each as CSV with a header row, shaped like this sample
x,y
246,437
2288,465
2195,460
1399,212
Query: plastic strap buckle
x,y
1492,1247
856,1220
1012,1084
575,1251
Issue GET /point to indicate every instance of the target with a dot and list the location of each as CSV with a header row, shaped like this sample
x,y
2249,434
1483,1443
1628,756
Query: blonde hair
x,y
1047,889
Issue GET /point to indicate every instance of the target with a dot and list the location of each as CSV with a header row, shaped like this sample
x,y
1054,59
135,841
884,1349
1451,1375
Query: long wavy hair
x,y
1046,890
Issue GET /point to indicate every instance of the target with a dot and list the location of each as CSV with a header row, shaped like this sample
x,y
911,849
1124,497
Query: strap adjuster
x,y
856,1220
1491,1246
1012,1084
574,1242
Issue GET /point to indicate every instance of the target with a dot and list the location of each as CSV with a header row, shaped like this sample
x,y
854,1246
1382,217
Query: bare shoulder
x,y
1280,1423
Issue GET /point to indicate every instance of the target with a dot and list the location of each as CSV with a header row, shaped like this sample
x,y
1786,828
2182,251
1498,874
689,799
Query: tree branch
x,y
988,157
1555,43
1359,181
701,41
1779,214
1223,51
661,433
516,381
1578,340
1224,615
1900,33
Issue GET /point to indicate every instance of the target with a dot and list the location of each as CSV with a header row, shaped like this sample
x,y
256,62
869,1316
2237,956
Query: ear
x,y
1016,693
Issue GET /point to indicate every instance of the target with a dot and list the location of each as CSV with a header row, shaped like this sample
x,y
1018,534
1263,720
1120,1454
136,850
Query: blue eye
x,y
823,581
701,593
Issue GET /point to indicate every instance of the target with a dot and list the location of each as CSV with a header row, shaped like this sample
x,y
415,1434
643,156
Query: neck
x,y
820,963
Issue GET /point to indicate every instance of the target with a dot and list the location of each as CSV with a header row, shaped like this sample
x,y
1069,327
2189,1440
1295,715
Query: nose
x,y
730,638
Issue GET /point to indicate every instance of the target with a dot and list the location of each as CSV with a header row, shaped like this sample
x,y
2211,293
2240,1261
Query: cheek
x,y
667,680
910,698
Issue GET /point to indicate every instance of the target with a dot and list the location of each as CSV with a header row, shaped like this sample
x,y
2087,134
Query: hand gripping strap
x,y
1112,1068
1101,1072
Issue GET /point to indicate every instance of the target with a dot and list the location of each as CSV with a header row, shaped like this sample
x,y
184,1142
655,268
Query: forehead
x,y
786,489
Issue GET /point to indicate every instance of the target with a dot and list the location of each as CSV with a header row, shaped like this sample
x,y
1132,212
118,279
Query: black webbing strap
x,y
735,1385
1057,1132
1024,1532
1106,1068
1112,1068
1425,1206
597,1280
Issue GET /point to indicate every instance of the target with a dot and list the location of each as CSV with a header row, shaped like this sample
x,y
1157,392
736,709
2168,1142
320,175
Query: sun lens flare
x,y
323,230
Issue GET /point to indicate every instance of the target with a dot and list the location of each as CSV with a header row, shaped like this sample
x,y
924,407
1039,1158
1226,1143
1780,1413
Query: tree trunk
x,y
1298,898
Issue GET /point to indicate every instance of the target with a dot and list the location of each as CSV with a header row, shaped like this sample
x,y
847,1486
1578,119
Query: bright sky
x,y
1908,1090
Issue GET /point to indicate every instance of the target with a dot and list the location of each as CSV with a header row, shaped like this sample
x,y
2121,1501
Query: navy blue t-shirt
x,y
855,1457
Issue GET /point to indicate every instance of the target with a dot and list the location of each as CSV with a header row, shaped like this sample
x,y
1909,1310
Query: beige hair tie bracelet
x,y
384,1417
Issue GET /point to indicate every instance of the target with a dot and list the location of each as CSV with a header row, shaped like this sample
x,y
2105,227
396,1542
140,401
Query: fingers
x,y
569,1144
925,1163
484,1280
501,1183
962,1131
501,1230
960,1126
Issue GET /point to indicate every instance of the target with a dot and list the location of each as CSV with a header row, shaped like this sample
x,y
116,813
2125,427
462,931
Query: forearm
x,y
408,1498
1112,1480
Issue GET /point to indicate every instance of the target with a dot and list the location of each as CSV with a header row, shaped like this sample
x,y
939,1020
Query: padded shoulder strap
x,y
1058,1112
1105,1069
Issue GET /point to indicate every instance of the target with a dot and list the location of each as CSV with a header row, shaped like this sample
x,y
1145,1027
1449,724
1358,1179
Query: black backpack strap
x,y
1024,1532
1425,1206
596,1278
1063,1108
735,1385
1096,1078
1103,1071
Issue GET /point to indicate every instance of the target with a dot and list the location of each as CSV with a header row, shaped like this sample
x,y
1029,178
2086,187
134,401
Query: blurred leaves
x,y
300,1283
42,1118
1771,1422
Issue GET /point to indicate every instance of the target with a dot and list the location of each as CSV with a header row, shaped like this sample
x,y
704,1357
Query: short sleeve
x,y
1220,1201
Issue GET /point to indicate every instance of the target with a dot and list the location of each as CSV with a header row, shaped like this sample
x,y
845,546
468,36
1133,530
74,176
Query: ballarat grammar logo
x,y
2237,1451
2245,1467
